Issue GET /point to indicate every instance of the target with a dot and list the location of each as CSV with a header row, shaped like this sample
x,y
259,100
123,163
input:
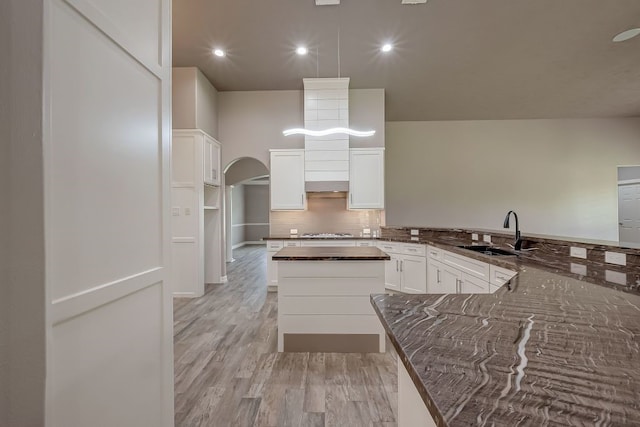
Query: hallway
x,y
227,370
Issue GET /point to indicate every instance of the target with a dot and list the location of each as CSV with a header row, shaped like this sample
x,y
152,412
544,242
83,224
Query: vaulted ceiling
x,y
452,59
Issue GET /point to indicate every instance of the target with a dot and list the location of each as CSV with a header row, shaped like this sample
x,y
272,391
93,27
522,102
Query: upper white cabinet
x,y
287,180
211,155
366,178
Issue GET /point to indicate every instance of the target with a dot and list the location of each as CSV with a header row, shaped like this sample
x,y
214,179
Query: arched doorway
x,y
246,202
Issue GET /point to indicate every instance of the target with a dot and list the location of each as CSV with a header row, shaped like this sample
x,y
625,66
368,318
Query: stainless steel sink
x,y
488,250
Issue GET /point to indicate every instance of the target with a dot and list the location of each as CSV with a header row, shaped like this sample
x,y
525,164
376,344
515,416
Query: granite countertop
x,y
301,237
329,253
548,349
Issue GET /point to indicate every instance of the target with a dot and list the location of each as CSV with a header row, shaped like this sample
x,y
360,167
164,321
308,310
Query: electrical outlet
x,y
615,258
486,238
415,232
579,269
474,236
578,252
415,239
366,231
293,231
615,277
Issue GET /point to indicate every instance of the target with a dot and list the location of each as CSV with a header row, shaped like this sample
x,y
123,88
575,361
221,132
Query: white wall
x,y
5,153
194,101
237,215
560,176
252,122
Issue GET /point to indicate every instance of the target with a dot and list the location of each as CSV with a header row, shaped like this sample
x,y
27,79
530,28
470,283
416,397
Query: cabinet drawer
x,y
470,266
291,243
274,245
500,276
390,247
472,285
434,253
419,250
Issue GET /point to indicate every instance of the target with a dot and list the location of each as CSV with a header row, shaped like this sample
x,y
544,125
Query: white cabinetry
x,y
287,180
273,246
406,271
196,221
451,273
366,178
211,156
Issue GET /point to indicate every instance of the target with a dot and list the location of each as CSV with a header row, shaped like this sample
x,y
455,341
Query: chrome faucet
x,y
518,244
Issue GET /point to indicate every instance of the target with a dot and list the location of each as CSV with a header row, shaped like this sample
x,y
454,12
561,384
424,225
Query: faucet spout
x,y
518,243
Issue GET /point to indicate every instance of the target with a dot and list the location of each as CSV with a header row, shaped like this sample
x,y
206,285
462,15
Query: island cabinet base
x,y
325,306
412,412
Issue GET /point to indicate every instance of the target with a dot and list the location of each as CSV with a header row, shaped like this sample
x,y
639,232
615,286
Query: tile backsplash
x,y
325,214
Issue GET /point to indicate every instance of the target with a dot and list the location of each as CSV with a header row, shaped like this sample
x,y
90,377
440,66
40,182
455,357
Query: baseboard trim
x,y
248,242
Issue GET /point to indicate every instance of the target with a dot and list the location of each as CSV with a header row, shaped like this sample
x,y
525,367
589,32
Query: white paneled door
x,y
629,213
107,151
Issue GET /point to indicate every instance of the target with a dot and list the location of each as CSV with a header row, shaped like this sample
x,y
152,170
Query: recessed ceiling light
x,y
386,47
301,50
626,35
219,52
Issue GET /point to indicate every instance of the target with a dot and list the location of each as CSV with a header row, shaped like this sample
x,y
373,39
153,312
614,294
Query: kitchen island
x,y
323,299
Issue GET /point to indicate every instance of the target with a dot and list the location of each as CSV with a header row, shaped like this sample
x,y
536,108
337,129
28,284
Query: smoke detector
x,y
327,2
414,1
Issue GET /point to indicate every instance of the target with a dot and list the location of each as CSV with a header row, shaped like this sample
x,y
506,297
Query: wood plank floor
x,y
228,372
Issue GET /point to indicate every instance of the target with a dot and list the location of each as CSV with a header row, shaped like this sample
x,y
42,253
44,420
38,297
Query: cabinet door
x,y
366,179
287,180
414,274
392,273
472,285
442,278
207,161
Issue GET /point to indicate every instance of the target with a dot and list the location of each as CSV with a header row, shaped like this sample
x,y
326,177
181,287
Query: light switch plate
x,y
415,232
578,252
615,258
474,236
486,238
366,231
293,231
175,211
187,211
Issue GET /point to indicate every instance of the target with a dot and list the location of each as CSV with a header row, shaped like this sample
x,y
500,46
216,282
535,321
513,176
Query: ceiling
x,y
453,59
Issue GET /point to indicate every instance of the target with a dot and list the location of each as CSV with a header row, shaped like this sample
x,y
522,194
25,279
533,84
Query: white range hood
x,y
326,106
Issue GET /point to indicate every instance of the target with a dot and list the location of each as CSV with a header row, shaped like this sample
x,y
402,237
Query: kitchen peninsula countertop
x,y
367,253
548,349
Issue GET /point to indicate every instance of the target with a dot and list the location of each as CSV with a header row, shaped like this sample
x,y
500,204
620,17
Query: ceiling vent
x,y
328,2
414,1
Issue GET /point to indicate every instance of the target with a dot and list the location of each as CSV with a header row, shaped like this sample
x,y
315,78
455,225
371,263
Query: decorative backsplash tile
x,y
325,215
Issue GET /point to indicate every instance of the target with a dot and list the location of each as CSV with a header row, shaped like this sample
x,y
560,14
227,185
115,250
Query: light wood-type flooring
x,y
228,372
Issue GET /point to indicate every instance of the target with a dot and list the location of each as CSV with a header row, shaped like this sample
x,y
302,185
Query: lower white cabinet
x,y
442,279
451,273
406,271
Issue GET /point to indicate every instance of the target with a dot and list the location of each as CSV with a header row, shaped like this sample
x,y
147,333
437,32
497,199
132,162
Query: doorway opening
x,y
247,203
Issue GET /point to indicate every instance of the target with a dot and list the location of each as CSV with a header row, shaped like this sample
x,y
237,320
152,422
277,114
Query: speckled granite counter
x,y
552,350
331,254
